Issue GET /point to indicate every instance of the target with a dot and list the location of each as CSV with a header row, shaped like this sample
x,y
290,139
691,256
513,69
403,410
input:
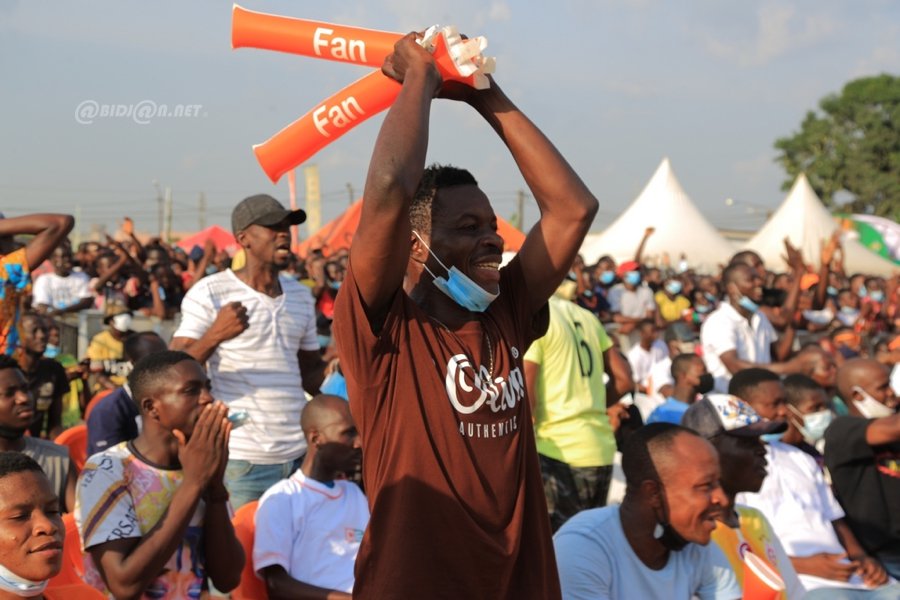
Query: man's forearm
x,y
83,304
224,554
146,560
200,349
281,586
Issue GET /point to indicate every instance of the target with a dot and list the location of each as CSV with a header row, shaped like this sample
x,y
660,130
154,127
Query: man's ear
x,y
241,237
313,437
653,492
417,250
148,408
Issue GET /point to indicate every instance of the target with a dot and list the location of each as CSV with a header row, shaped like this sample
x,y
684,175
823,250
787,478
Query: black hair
x,y
434,178
747,379
151,369
743,258
16,462
797,386
645,443
731,272
136,345
681,364
8,362
646,323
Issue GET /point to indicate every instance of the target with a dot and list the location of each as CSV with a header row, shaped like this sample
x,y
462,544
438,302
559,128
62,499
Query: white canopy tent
x,y
680,228
804,220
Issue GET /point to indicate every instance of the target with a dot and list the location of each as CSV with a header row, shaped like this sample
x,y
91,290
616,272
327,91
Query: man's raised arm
x,y
381,245
567,206
49,231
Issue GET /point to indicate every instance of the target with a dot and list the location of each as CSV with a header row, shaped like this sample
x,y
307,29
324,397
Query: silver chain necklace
x,y
484,335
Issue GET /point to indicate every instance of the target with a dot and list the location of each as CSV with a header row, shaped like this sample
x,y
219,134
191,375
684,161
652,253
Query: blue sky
x,y
616,84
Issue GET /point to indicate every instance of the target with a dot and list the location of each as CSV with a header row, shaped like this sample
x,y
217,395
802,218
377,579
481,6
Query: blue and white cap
x,y
715,414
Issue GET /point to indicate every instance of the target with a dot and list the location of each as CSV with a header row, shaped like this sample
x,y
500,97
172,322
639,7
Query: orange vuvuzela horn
x,y
357,45
325,123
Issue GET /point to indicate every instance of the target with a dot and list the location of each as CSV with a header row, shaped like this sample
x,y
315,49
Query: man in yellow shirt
x,y
671,303
564,376
109,367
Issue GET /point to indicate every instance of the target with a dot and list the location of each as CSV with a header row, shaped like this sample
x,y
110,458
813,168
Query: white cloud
x,y
780,29
631,88
884,58
754,166
499,11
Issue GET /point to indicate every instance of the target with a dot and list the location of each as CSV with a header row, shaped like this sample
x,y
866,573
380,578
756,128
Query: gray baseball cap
x,y
263,209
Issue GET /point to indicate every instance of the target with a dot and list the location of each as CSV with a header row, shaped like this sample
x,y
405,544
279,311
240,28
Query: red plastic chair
x,y
75,591
251,586
75,438
72,561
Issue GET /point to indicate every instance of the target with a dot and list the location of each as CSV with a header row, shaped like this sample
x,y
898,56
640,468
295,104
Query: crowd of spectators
x,y
783,382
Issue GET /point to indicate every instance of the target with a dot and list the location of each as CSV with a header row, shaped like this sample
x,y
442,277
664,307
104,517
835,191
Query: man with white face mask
x,y
432,334
803,511
862,453
109,368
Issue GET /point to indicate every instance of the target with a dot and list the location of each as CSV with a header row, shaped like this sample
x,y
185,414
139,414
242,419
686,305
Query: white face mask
x,y
122,322
20,586
814,424
869,407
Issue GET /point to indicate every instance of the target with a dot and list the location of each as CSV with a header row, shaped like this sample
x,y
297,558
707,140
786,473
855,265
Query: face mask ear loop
x,y
440,262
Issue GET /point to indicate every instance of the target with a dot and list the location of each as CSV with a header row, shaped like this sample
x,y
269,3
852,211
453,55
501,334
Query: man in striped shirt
x,y
256,332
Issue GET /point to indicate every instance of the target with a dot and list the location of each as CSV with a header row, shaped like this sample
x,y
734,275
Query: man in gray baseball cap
x,y
263,209
257,333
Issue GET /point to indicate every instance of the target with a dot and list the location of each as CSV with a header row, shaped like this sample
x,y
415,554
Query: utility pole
x,y
350,193
77,232
168,206
159,209
201,212
521,210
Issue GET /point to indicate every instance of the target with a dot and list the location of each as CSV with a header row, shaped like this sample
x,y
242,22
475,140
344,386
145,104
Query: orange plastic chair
x,y
77,591
76,439
251,586
94,400
73,561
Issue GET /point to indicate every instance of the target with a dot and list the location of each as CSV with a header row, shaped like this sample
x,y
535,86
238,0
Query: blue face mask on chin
x,y
771,437
748,304
458,286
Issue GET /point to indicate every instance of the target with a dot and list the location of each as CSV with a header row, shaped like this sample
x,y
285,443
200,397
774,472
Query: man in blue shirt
x,y
691,379
115,417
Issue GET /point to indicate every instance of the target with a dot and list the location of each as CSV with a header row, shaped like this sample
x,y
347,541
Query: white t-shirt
x,y
61,292
642,361
634,303
596,562
726,329
311,530
660,375
257,371
801,507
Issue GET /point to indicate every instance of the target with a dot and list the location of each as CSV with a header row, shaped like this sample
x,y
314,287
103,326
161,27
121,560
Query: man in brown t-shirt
x,y
431,334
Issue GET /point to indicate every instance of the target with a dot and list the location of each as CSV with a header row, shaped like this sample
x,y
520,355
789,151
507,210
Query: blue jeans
x,y
247,481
